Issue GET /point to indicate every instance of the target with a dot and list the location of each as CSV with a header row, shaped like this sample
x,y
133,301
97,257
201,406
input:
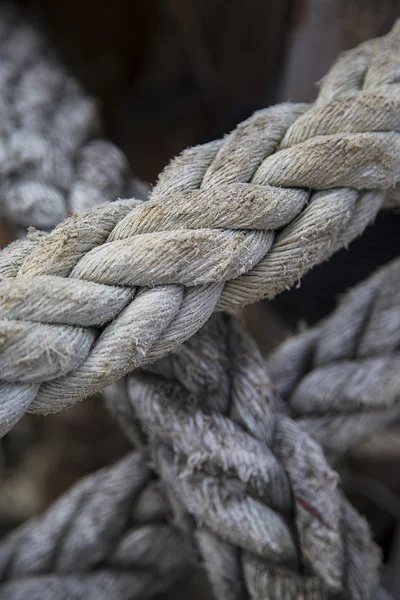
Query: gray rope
x,y
245,480
341,379
106,538
269,517
52,160
228,223
247,474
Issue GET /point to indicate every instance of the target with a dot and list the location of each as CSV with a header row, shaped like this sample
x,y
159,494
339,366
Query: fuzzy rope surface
x,y
255,483
107,537
341,378
53,161
270,519
228,223
245,483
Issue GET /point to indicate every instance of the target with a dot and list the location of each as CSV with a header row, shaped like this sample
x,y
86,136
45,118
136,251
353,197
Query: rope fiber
x,y
228,223
231,472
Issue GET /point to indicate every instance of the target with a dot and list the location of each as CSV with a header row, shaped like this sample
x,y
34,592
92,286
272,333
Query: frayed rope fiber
x,y
233,480
228,223
267,515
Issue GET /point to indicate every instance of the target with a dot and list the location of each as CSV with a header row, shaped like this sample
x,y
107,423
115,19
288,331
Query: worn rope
x,y
341,378
228,223
213,402
107,537
246,481
52,159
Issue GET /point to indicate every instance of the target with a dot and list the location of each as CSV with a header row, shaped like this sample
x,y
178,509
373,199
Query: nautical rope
x,y
107,537
244,481
52,159
341,378
266,509
228,223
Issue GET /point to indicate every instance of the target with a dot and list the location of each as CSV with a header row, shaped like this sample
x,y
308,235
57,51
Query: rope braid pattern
x,y
107,537
210,367
228,223
246,481
243,480
262,498
52,160
341,378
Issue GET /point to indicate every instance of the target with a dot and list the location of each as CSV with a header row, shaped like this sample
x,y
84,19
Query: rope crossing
x,y
228,223
235,463
263,497
242,486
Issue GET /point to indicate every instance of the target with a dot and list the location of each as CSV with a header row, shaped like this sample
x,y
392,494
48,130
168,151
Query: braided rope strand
x,y
52,160
220,467
228,223
256,485
107,537
341,379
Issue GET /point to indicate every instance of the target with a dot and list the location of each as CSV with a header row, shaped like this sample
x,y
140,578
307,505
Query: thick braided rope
x,y
224,373
228,223
107,538
341,379
246,481
52,160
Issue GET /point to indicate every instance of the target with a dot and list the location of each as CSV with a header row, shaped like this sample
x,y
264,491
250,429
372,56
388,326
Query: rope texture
x,y
252,488
106,538
251,478
340,379
52,160
246,481
228,223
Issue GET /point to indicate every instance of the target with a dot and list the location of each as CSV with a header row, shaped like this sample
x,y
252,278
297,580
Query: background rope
x,y
340,379
107,537
206,240
256,492
52,160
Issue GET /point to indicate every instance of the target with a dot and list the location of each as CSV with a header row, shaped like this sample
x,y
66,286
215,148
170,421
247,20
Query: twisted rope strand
x,y
228,223
107,537
258,488
52,160
341,379
238,464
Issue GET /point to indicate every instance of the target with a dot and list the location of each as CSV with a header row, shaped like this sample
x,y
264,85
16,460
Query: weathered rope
x,y
52,160
244,481
266,509
107,538
341,379
359,342
228,223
